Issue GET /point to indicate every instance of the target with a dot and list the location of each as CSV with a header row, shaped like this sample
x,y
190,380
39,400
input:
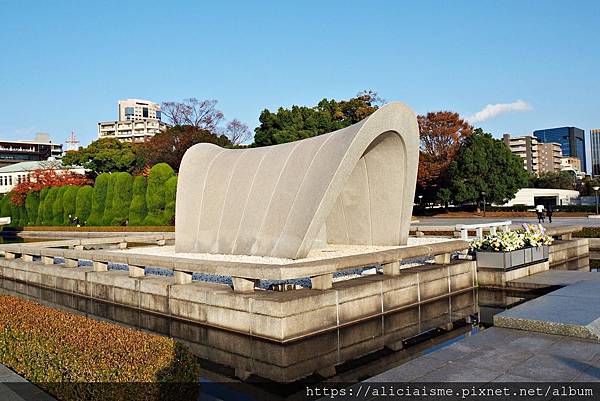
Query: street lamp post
x,y
420,200
483,194
596,193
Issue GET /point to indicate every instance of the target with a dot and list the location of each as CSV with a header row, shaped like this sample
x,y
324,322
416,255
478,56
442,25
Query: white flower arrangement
x,y
528,236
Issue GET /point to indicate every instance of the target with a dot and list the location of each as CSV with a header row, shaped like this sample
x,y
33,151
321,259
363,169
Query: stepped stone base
x,y
274,315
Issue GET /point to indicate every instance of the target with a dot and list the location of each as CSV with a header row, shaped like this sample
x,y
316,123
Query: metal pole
x,y
483,205
596,202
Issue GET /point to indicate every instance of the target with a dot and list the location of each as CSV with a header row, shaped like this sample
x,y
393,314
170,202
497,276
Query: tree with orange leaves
x,y
46,177
441,135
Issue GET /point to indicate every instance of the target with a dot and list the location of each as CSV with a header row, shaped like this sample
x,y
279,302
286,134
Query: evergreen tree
x,y
39,219
48,215
156,199
107,216
138,210
57,207
171,194
83,203
121,198
485,164
99,199
32,203
69,203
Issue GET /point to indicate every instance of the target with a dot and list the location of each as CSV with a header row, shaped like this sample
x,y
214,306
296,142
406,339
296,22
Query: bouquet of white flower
x,y
529,236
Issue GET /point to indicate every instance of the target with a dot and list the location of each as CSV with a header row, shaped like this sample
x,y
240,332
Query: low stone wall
x,y
499,278
571,254
271,360
594,247
273,315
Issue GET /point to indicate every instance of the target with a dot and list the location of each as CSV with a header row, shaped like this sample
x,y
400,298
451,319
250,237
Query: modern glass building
x,y
595,142
571,140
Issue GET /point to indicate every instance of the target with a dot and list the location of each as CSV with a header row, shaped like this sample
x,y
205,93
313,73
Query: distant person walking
x,y
539,210
549,214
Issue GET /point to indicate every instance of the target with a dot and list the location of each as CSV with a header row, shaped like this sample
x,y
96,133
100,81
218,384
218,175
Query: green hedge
x,y
588,232
156,195
83,203
113,200
99,199
69,203
40,213
32,204
68,355
107,216
558,208
138,210
170,195
123,183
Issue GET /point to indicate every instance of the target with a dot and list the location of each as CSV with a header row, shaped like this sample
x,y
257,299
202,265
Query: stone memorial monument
x,y
354,186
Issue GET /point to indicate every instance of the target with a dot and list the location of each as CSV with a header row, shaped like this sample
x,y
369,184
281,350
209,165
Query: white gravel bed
x,y
332,251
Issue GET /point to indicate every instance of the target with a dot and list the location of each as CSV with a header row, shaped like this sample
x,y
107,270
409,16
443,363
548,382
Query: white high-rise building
x,y
139,120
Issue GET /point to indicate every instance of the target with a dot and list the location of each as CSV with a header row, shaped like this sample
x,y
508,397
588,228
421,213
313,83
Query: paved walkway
x,y
15,388
504,355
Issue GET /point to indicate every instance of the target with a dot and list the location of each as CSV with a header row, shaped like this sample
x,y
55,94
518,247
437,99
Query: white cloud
x,y
493,110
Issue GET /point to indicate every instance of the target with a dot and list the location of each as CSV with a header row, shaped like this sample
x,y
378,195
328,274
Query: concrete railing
x,y
244,274
492,227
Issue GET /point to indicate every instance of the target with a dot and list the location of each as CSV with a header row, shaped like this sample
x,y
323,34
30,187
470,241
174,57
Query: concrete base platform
x,y
571,311
504,355
277,316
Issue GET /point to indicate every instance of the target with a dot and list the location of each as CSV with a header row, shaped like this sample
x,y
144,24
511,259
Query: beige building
x,y
139,120
568,163
550,155
526,147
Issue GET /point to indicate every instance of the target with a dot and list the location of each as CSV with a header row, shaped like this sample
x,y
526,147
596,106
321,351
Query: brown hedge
x,y
74,357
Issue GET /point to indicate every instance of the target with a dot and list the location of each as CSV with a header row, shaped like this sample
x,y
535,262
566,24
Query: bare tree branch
x,y
237,132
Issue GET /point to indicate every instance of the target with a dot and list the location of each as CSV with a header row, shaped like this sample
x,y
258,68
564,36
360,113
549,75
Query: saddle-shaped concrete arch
x,y
352,186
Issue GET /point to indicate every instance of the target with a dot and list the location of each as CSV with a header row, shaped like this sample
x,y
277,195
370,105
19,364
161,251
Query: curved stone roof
x,y
352,186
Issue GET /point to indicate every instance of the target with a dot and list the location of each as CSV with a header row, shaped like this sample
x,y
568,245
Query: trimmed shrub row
x,y
115,199
558,208
588,232
55,350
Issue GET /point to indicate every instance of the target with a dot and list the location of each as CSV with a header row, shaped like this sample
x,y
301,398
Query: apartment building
x,y
526,147
550,155
39,149
138,121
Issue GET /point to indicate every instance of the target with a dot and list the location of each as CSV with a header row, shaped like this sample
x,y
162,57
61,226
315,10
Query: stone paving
x,y
15,388
573,310
504,355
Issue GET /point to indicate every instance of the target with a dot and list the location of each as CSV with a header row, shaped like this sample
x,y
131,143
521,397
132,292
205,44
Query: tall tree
x,y
300,122
201,114
104,155
485,164
170,145
237,132
441,134
554,179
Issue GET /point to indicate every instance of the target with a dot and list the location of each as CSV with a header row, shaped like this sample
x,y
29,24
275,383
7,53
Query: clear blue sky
x,y
64,64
